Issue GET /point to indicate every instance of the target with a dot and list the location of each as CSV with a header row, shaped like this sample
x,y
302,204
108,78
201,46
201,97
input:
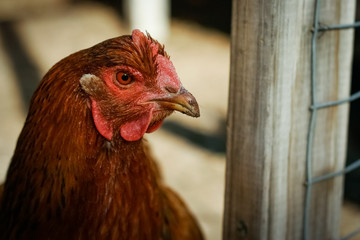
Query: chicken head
x,y
133,95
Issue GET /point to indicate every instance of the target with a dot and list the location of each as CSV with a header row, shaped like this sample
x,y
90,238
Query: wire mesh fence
x,y
315,106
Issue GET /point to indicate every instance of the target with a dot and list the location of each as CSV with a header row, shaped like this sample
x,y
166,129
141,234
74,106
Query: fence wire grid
x,y
315,106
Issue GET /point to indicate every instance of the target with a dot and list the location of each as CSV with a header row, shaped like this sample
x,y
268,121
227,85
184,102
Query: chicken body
x,y
81,169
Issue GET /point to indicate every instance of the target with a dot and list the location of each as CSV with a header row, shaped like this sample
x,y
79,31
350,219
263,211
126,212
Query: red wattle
x,y
134,130
101,124
155,126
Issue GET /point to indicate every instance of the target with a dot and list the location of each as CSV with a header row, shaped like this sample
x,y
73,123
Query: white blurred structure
x,y
149,15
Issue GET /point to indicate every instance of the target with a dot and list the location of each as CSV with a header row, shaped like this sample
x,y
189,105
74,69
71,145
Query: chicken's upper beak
x,y
182,101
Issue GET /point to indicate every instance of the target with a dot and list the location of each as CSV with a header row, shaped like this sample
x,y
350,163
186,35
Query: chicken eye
x,y
123,78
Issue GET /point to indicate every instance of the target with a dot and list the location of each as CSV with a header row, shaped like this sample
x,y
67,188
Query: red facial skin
x,y
139,93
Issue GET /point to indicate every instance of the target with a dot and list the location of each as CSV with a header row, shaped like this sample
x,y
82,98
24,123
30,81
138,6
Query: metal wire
x,y
313,108
353,234
338,27
333,103
312,123
346,170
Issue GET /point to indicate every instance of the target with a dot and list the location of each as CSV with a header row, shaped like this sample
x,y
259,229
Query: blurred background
x,y
36,34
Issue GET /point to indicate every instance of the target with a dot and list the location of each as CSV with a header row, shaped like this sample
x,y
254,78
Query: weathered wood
x,y
268,118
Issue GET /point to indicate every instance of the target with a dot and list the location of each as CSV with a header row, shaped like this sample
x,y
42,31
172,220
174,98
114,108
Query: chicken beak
x,y
182,101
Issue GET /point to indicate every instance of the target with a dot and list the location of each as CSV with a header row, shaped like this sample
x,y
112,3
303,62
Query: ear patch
x,y
89,83
92,84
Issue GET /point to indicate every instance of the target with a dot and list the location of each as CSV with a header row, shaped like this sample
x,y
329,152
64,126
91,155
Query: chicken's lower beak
x,y
182,101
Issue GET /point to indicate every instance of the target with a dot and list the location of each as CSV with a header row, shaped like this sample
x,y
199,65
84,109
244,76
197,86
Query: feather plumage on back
x,y
81,169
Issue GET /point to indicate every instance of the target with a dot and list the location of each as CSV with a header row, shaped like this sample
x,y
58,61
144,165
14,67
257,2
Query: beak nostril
x,y
171,89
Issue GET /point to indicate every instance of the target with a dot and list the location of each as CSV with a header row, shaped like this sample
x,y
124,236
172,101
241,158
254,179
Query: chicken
x,y
81,168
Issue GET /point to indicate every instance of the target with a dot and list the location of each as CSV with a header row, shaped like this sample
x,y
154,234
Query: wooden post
x,y
268,118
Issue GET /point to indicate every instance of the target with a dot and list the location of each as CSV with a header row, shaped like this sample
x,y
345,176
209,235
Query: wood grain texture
x,y
269,116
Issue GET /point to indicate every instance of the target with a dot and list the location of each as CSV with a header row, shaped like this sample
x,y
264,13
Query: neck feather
x,y
63,170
